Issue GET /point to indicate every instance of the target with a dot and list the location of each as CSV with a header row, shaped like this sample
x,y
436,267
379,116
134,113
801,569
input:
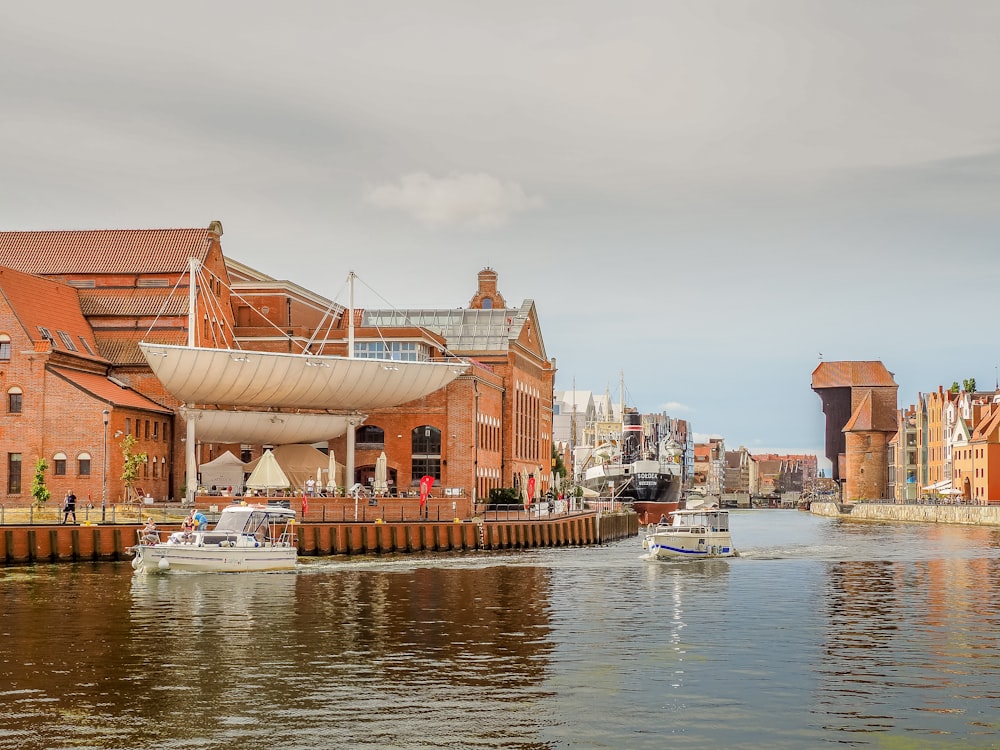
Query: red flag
x,y
426,482
531,489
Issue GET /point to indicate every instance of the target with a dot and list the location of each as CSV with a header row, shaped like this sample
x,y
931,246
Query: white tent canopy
x,y
223,471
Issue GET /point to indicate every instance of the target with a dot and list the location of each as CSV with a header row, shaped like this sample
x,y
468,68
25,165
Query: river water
x,y
822,633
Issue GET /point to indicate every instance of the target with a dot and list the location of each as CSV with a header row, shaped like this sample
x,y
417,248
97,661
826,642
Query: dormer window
x,y
47,335
487,303
67,340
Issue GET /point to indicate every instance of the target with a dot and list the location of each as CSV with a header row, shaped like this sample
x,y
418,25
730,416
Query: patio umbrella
x,y
381,487
267,475
331,475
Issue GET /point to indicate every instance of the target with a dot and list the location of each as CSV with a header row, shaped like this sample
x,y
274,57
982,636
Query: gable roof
x,y
102,389
105,251
42,305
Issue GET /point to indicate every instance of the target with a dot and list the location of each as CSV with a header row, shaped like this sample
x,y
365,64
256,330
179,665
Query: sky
x,y
703,198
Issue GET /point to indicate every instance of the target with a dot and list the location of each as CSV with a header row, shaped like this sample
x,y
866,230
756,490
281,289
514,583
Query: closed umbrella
x,y
331,475
381,471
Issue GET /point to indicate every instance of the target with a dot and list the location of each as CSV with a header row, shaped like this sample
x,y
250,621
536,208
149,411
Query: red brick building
x,y
859,400
107,290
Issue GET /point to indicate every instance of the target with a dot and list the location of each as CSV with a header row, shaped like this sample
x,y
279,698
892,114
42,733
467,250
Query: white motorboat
x,y
690,534
246,537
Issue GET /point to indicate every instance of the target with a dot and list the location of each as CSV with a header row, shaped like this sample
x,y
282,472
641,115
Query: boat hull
x,y
650,512
686,546
182,557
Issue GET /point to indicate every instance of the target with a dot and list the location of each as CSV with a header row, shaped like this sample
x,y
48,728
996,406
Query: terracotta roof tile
x,y
45,304
104,251
133,302
103,389
851,374
861,420
123,348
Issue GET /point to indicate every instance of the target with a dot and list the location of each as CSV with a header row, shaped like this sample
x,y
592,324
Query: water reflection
x,y
821,632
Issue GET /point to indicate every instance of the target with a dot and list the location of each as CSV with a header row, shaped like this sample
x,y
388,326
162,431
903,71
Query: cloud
x,y
476,200
673,407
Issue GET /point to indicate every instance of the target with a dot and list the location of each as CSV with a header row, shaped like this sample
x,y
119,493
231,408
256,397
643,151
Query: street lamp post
x,y
104,478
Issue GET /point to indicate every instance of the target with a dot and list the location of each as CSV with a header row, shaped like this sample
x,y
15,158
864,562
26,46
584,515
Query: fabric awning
x,y
260,427
945,484
224,377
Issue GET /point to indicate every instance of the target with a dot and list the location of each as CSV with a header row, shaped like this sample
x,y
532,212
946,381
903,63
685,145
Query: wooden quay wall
x,y
27,544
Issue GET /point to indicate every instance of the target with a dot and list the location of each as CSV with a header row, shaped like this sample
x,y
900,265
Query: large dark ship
x,y
632,467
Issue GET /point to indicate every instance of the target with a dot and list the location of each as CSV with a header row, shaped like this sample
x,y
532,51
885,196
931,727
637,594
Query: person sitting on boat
x,y
150,534
663,518
187,526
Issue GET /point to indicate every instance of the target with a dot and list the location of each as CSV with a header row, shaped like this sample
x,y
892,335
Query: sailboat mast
x,y
190,461
352,421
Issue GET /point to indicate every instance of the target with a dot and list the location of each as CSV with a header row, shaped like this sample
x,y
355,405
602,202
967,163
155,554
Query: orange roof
x,y
861,419
103,389
40,303
105,250
851,374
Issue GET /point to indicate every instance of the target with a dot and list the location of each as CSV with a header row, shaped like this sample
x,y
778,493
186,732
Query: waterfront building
x,y
903,466
77,303
859,400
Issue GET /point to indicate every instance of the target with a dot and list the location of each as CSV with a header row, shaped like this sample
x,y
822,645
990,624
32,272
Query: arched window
x,y
425,446
14,400
369,437
487,303
4,347
83,465
59,464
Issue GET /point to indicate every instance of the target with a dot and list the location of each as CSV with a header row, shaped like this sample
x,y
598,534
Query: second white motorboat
x,y
690,534
246,537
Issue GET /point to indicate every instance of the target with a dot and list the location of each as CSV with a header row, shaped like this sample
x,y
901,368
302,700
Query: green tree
x,y
954,387
38,489
132,462
558,466
969,384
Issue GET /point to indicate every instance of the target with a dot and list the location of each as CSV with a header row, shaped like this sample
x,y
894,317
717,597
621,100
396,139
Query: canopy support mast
x,y
191,464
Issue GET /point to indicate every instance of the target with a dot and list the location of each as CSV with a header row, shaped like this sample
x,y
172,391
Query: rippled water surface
x,y
820,633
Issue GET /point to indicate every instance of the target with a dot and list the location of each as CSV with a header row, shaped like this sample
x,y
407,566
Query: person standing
x,y
69,506
200,520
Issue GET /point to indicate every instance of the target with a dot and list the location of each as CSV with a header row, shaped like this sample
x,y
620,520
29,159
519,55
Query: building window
x,y
14,473
246,453
425,447
369,437
4,347
67,340
83,465
128,425
156,430
14,400
59,464
401,351
146,429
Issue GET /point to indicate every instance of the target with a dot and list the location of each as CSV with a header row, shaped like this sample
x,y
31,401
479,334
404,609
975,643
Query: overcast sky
x,y
702,195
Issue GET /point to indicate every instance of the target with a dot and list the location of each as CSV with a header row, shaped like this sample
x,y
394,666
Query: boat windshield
x,y
246,523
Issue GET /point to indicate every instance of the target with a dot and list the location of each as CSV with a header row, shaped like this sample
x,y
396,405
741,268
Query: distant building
x,y
859,400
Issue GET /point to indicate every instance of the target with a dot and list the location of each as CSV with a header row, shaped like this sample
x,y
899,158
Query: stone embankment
x,y
56,543
973,515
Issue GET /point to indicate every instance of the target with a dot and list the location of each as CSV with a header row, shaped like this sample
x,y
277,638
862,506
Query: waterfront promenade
x,y
874,510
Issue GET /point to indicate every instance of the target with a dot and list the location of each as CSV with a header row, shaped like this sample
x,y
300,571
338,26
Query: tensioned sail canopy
x,y
278,428
197,375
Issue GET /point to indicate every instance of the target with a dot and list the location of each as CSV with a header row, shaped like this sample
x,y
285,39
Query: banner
x,y
426,482
531,490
